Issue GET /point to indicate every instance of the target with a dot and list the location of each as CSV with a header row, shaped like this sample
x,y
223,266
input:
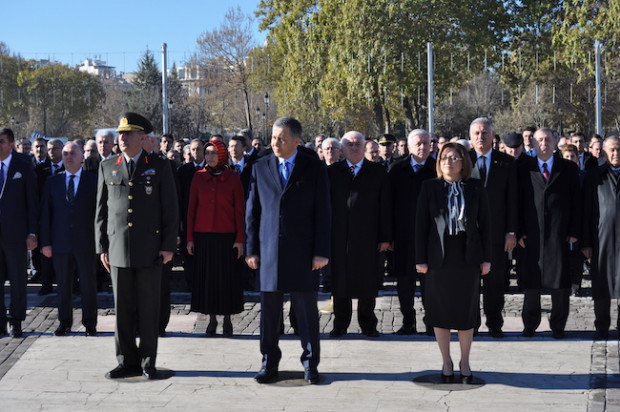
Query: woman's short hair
x,y
569,148
462,153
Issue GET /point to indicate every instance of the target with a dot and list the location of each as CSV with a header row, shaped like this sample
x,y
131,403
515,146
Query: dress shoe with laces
x,y
91,331
16,330
266,375
149,372
311,375
62,330
122,371
406,330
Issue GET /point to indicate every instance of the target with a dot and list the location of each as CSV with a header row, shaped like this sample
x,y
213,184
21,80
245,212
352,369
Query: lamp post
x,y
266,100
257,116
265,127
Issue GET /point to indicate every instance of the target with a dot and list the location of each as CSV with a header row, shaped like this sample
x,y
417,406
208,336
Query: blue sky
x,y
70,31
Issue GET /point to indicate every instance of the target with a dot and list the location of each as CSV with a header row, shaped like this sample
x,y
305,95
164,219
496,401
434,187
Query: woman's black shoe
x,y
467,379
211,327
227,327
447,378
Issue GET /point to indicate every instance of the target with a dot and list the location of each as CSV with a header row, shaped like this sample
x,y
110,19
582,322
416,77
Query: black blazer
x,y
65,227
431,223
19,203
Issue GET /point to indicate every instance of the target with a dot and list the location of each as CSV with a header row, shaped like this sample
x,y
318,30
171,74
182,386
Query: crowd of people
x,y
449,214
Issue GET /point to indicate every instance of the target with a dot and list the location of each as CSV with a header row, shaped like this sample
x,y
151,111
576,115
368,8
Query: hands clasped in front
x,y
485,268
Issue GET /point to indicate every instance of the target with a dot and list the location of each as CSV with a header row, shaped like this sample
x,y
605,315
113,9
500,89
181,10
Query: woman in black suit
x,y
453,248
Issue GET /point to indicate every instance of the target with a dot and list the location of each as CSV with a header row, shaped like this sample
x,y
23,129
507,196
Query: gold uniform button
x,y
130,197
130,224
157,231
130,183
130,210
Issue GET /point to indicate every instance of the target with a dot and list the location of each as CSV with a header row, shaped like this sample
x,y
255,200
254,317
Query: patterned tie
x,y
352,168
1,176
417,167
71,190
482,167
131,167
238,168
54,168
545,172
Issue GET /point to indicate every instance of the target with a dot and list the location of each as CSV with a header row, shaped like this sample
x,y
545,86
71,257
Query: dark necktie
x,y
54,168
285,173
482,167
131,167
71,190
1,176
417,167
238,168
352,168
545,172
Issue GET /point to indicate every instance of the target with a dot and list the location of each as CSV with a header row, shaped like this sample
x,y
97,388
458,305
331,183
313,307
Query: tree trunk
x,y
377,108
410,121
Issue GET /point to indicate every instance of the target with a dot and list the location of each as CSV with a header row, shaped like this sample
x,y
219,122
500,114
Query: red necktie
x,y
545,172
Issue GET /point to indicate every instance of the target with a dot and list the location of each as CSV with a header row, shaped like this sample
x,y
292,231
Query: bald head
x,y
72,156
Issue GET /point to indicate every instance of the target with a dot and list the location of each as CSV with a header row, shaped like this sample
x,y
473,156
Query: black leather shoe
x,y
447,378
162,333
62,330
16,330
467,379
407,330
122,371
558,334
90,332
337,333
149,372
311,375
371,333
496,333
266,375
528,333
227,328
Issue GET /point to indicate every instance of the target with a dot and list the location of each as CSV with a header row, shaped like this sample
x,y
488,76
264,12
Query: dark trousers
x,y
164,299
602,320
65,265
343,311
307,315
136,300
560,299
493,289
13,260
405,287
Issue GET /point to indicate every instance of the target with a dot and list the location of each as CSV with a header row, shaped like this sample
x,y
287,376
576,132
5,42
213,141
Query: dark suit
x,y
137,217
601,223
406,185
286,227
549,214
91,163
502,191
68,228
360,206
19,217
185,176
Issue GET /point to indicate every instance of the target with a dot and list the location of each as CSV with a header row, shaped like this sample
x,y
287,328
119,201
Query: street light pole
x,y
257,116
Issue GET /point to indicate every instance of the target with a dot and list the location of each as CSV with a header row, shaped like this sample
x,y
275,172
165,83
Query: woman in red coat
x,y
215,222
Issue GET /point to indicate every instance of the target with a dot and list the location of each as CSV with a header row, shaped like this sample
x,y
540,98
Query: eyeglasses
x,y
450,159
351,144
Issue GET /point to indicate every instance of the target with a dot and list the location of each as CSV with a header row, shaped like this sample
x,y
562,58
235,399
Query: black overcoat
x,y
601,230
361,219
549,214
405,186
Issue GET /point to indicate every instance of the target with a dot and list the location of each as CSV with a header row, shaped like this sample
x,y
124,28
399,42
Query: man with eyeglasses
x,y
498,174
331,150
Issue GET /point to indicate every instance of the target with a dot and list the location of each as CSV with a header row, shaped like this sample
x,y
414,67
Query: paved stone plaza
x,y
48,373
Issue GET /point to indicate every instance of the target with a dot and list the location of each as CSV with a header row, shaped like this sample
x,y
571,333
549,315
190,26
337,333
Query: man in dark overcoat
x,y
549,199
136,232
406,179
361,201
498,174
288,221
600,241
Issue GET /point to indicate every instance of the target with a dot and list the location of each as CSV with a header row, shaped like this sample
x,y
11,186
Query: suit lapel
x,y
440,207
10,172
558,166
297,167
274,164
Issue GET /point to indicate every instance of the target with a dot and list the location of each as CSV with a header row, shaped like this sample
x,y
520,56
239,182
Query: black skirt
x,y
452,291
217,287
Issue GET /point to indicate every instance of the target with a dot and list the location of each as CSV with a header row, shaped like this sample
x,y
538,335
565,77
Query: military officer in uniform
x,y
136,232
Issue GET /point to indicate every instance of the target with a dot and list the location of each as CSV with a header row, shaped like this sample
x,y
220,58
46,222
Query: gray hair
x,y
55,142
331,140
348,135
105,133
465,143
613,138
416,132
484,120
